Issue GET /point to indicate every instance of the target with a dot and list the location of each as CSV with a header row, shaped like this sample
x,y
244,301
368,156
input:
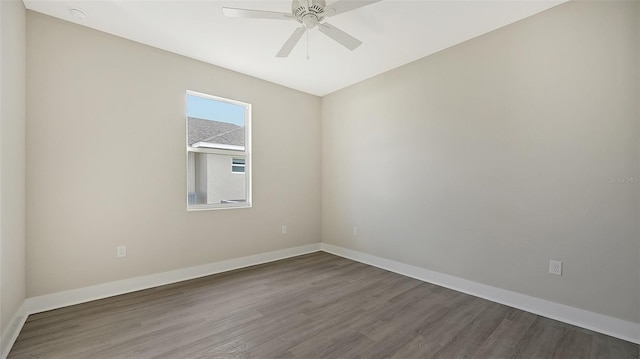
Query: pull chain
x,y
307,45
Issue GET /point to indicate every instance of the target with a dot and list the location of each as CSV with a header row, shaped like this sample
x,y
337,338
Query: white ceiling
x,y
394,32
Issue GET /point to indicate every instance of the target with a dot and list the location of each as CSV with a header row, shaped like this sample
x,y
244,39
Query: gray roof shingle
x,y
201,130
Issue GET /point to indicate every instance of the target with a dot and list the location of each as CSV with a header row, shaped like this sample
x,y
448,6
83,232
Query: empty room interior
x,y
311,179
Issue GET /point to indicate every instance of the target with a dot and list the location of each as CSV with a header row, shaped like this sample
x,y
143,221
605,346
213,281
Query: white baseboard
x,y
597,322
82,295
11,333
614,327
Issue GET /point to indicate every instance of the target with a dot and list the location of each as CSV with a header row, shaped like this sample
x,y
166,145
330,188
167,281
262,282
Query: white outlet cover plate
x,y
555,267
121,251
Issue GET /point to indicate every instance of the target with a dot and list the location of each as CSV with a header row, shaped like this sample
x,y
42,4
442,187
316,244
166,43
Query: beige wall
x,y
490,158
483,161
106,162
12,155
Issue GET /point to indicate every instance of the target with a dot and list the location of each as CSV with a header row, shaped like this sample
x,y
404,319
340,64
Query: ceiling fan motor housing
x,y
309,15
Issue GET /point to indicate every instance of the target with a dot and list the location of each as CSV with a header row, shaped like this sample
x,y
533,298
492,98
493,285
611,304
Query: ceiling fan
x,y
310,13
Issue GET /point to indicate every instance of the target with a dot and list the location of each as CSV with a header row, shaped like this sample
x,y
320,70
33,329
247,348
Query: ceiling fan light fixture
x,y
309,21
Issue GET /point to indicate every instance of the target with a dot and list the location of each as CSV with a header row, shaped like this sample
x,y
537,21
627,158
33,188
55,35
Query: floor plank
x,y
313,306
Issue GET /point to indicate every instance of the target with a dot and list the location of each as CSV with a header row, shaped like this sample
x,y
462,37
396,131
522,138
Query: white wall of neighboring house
x,y
199,179
213,180
222,183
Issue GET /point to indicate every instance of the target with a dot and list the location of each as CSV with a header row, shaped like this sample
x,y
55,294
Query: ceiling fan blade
x,y
291,43
340,36
256,14
342,6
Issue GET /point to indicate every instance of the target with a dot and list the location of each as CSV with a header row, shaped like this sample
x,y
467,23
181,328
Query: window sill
x,y
208,207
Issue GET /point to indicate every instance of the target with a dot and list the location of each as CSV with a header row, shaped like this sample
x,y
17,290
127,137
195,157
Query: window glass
x,y
215,124
218,155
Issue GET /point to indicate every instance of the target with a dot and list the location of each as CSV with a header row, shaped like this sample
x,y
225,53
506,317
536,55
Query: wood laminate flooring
x,y
313,306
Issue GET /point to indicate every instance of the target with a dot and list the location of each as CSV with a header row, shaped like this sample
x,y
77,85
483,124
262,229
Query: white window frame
x,y
223,150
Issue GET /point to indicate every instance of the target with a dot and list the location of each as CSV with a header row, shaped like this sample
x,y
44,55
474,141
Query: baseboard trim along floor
x,y
614,327
12,331
82,295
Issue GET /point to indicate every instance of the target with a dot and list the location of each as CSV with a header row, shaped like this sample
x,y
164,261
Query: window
x,y
218,152
237,165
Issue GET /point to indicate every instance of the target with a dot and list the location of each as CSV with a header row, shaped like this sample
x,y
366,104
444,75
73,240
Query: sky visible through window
x,y
209,109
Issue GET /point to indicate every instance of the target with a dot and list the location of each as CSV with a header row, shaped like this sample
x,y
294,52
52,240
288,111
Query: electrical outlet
x,y
555,267
355,231
121,251
284,229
